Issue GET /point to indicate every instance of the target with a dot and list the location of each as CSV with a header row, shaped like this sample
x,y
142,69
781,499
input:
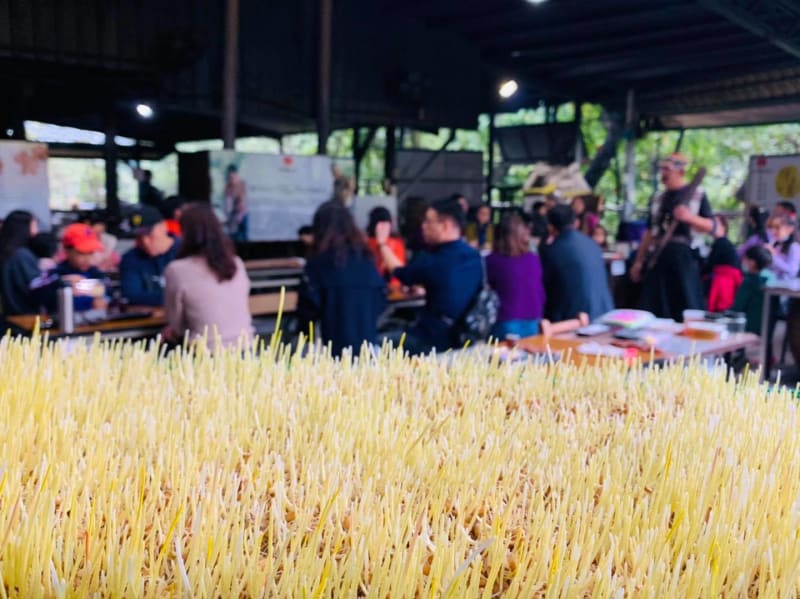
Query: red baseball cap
x,y
81,238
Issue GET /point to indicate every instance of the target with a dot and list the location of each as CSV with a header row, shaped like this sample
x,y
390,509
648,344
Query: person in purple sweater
x,y
515,274
785,249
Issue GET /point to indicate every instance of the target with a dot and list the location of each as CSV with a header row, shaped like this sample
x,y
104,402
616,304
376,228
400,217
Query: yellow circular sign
x,y
787,182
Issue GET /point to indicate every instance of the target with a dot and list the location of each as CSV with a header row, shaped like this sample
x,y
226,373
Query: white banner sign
x,y
23,180
268,197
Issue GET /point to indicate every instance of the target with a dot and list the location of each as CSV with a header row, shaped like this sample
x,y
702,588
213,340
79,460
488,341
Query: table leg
x,y
766,335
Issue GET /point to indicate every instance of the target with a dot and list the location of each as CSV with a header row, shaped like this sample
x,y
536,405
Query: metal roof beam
x,y
618,23
672,76
663,58
578,49
668,110
606,89
710,81
775,20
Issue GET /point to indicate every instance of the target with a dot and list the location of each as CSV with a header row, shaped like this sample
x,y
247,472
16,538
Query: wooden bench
x,y
277,263
268,304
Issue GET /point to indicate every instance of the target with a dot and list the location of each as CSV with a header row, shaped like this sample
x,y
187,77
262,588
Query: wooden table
x,y
680,347
136,328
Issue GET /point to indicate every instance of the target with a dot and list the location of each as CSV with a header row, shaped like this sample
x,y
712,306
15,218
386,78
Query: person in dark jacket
x,y
575,277
451,272
341,288
750,296
142,267
20,288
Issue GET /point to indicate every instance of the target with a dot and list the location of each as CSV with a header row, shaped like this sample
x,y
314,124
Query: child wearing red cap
x,y
81,243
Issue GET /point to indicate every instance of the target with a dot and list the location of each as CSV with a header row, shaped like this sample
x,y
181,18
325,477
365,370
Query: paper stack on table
x,y
601,349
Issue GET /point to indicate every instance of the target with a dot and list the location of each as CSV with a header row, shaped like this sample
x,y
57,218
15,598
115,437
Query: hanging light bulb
x,y
144,110
508,88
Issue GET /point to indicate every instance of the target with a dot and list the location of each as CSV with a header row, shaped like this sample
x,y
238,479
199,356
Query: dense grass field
x,y
128,474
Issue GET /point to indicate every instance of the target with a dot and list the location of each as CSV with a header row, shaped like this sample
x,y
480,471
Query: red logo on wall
x,y
288,161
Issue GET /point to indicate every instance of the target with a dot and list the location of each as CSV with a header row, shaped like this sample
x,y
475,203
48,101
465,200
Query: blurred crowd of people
x,y
183,262
548,263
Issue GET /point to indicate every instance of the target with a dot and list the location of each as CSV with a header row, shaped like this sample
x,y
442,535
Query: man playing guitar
x,y
671,283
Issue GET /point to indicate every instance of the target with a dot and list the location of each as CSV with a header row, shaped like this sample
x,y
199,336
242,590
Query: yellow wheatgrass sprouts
x,y
129,472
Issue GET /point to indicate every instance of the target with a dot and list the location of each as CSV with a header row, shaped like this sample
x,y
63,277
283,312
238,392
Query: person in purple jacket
x,y
515,274
785,249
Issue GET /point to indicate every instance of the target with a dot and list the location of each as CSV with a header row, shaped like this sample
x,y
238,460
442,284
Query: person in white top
x,y
206,287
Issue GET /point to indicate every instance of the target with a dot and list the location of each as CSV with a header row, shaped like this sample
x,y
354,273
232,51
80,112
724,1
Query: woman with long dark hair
x,y
377,215
756,232
515,273
207,289
342,288
19,267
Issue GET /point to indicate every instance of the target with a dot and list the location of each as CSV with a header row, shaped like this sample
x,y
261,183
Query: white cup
x,y
693,315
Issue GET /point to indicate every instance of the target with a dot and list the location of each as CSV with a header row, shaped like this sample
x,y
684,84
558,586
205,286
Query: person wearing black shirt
x,y
142,267
673,284
451,272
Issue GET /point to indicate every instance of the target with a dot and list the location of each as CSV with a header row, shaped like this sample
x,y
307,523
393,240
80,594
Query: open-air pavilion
x,y
575,450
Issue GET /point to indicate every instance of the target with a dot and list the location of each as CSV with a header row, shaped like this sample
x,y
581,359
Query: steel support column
x,y
630,155
111,155
390,158
230,74
324,79
490,166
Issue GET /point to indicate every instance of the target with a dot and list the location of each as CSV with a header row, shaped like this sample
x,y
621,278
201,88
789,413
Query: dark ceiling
x,y
417,63
680,56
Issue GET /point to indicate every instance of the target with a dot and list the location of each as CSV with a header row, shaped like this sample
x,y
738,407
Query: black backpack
x,y
476,323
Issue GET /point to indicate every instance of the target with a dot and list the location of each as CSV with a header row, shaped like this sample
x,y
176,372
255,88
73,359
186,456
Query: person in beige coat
x,y
206,287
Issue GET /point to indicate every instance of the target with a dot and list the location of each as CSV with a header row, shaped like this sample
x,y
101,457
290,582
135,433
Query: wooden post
x,y
490,166
578,122
324,82
230,75
390,156
630,156
110,156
